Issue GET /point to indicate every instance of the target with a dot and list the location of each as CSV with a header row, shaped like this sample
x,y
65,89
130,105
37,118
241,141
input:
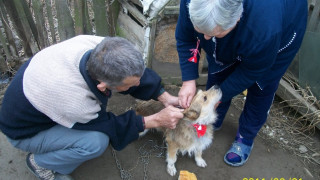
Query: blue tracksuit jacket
x,y
263,42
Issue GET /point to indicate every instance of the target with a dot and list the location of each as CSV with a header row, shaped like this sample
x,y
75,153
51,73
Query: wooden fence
x,y
27,26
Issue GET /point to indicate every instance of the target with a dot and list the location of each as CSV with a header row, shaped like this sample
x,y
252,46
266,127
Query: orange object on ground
x,y
186,175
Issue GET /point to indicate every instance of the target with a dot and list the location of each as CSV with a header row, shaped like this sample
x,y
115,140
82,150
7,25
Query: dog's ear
x,y
193,112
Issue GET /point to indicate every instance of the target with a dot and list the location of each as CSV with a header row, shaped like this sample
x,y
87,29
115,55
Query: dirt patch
x,y
165,44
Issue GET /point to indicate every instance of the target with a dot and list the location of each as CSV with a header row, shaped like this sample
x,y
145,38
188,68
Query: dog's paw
x,y
201,162
171,169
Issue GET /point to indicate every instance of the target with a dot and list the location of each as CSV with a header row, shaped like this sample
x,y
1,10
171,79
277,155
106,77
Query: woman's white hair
x,y
207,14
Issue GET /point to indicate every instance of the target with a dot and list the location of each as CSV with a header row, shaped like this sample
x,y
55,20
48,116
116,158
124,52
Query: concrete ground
x,y
145,158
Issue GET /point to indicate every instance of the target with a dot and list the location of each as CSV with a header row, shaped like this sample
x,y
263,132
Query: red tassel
x,y
193,59
195,52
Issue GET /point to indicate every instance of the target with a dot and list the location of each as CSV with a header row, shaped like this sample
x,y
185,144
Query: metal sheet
x,y
309,62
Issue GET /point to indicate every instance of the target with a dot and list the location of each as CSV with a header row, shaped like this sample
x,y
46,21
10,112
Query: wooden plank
x,y
40,23
314,18
82,20
22,21
171,10
4,45
28,16
137,2
130,30
9,35
150,38
12,11
287,93
65,21
3,64
134,12
50,19
87,24
146,47
130,25
79,16
113,8
100,18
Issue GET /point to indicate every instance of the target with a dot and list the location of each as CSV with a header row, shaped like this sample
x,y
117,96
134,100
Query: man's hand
x,y
167,99
186,93
167,117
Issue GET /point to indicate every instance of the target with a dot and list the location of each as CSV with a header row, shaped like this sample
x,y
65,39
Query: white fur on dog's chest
x,y
204,141
198,143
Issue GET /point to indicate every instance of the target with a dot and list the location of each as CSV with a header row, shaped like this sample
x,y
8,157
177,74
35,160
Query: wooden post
x,y
17,14
40,23
134,12
79,16
5,24
100,18
50,19
65,21
82,22
22,4
87,24
113,8
152,37
3,65
4,45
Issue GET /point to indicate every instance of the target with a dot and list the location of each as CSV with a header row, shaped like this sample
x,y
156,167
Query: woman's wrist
x,y
163,97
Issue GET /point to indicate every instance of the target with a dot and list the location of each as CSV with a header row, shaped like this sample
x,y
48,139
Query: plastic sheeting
x,y
151,8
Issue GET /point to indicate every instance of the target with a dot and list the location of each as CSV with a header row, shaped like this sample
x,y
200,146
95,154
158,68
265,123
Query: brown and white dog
x,y
194,132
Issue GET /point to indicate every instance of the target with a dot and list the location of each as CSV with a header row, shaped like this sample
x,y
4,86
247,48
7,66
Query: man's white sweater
x,y
54,85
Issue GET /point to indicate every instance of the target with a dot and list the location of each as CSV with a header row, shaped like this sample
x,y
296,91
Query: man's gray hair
x,y
207,14
114,59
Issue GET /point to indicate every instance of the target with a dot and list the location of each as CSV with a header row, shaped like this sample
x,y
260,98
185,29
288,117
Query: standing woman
x,y
249,44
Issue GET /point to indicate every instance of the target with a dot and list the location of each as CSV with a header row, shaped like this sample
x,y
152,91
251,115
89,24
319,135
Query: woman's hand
x,y
186,93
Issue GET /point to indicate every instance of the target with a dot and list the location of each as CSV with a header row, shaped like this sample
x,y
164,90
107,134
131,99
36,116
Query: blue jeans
x,y
62,149
256,108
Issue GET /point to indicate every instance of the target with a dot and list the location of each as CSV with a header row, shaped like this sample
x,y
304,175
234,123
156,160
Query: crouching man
x,y
55,107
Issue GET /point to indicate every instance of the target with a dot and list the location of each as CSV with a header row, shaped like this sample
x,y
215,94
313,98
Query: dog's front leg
x,y
199,160
171,158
